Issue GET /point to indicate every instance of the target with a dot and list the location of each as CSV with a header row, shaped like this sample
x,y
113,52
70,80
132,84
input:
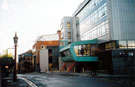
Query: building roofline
x,y
44,37
80,7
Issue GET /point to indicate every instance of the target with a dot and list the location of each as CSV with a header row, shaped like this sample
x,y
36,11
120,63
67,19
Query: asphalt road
x,y
67,80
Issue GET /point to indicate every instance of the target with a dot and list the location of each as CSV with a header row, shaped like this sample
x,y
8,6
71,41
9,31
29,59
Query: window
x,y
88,50
82,50
68,25
122,44
69,42
65,53
79,50
110,45
50,51
131,44
76,50
107,45
69,35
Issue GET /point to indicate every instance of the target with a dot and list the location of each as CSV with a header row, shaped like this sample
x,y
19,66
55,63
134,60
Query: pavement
x,y
127,80
8,82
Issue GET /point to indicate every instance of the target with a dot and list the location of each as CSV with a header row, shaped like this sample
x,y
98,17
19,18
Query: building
x,y
71,54
68,26
25,62
45,52
112,22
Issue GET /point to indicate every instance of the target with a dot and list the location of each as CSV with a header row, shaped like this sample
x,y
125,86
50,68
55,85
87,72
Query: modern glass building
x,y
112,22
106,20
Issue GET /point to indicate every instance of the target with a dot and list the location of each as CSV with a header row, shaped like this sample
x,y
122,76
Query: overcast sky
x,y
31,18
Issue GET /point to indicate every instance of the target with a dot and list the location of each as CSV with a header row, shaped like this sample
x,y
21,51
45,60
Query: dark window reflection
x,y
65,53
84,50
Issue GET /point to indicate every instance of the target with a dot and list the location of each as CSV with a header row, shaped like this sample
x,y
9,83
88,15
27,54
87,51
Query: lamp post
x,y
15,43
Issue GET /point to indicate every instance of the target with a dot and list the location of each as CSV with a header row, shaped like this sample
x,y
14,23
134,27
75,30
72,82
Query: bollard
x,y
83,70
74,70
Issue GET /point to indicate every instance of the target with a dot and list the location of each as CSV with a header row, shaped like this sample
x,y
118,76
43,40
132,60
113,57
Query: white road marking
x,y
29,82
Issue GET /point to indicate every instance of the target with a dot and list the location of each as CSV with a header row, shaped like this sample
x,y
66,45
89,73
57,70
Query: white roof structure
x,y
50,37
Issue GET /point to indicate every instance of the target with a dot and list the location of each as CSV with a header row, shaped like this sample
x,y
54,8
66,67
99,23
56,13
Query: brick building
x,y
45,52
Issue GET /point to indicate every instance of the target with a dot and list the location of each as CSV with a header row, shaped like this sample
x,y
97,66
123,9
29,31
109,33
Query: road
x,y
67,80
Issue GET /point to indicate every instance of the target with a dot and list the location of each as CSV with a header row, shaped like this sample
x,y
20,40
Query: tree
x,y
7,64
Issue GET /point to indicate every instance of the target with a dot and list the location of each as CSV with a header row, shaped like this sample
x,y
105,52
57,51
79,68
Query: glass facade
x,y
85,50
122,44
110,45
93,21
65,53
131,44
82,50
127,44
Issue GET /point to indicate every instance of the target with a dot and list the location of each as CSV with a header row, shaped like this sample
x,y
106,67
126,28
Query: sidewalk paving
x,y
17,83
8,82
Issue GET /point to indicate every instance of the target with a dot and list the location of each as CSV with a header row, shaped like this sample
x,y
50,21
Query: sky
x,y
30,19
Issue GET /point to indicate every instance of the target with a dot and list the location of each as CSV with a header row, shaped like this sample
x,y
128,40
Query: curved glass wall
x,y
85,50
82,50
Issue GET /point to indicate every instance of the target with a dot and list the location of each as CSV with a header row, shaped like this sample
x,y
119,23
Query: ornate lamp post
x,y
15,55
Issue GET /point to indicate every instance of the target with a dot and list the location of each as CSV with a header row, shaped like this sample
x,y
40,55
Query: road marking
x,y
29,82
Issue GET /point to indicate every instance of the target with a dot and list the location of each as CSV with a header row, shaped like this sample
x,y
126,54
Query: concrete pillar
x,y
44,61
60,63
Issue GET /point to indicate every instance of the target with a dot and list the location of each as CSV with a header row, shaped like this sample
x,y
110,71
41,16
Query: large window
x,y
127,44
122,44
82,50
110,45
96,31
131,44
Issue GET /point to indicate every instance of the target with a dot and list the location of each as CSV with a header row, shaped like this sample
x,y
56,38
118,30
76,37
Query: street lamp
x,y
15,43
